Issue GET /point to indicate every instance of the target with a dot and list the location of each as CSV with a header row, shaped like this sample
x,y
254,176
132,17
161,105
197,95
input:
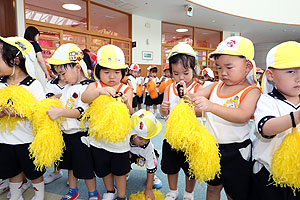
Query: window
x,y
171,36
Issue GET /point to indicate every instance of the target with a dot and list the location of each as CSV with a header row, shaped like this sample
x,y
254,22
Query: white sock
x,y
39,190
15,190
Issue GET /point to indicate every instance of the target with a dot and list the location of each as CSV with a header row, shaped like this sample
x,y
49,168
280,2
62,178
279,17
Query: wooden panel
x,y
8,18
144,70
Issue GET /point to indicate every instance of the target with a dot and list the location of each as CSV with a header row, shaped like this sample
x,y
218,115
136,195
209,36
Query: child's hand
x,y
9,112
149,194
165,106
203,103
107,91
54,113
124,99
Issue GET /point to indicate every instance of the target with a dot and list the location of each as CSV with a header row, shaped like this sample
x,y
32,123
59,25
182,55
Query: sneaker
x,y
157,182
110,196
94,195
53,176
127,176
25,186
69,195
4,185
171,195
188,196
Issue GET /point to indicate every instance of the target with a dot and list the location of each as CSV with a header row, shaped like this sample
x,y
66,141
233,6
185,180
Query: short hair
x,y
99,67
65,66
154,70
30,33
186,60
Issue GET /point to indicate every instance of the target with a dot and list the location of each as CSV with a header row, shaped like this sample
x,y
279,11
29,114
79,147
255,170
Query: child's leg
x,y
213,192
15,185
173,181
109,182
189,184
121,186
72,180
139,106
38,186
91,184
147,107
154,108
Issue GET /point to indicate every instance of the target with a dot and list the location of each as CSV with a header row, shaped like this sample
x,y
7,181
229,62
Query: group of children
x,y
228,106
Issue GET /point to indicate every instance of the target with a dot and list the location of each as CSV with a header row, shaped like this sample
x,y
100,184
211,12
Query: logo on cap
x,y
75,55
21,45
231,43
141,125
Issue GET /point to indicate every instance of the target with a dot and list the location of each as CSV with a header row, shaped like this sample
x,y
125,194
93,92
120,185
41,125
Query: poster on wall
x,y
147,55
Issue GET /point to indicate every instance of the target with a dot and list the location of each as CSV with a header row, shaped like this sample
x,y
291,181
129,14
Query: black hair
x,y
99,67
186,60
153,70
9,53
65,66
30,33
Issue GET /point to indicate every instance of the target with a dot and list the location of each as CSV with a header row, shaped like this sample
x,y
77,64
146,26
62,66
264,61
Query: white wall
x,y
261,51
20,17
227,34
147,34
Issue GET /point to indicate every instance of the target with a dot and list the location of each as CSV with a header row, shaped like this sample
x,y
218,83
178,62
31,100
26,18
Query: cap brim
x,y
224,52
111,65
158,129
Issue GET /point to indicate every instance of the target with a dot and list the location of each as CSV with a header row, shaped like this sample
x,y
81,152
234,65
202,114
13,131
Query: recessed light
x,y
284,30
213,21
71,6
182,30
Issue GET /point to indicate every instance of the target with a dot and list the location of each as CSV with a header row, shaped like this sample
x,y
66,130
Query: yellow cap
x,y
182,48
111,56
238,46
283,56
144,124
27,51
68,53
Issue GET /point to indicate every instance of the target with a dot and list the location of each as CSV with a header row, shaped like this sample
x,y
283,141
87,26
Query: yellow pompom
x,y
141,196
285,164
48,144
108,119
7,123
185,133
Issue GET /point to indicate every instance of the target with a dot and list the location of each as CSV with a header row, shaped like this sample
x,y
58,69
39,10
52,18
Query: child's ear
x,y
17,61
269,75
78,67
249,66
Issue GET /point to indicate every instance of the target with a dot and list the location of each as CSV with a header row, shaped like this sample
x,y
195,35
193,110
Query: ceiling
x,y
173,11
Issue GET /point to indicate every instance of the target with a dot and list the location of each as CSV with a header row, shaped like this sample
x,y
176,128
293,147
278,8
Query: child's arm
x,y
148,190
55,113
92,92
127,98
165,106
236,115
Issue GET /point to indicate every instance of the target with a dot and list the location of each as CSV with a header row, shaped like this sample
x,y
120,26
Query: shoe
x,y
53,176
110,196
25,186
4,185
127,176
171,195
69,195
188,196
157,182
33,198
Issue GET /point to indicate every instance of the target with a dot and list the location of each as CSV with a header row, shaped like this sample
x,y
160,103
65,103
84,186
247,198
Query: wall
x,y
8,18
261,51
227,34
20,18
146,33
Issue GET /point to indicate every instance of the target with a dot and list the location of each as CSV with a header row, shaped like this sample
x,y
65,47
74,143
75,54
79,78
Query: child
x,y
152,71
67,62
276,113
208,75
54,88
182,62
140,80
144,127
229,109
17,68
111,160
132,82
165,78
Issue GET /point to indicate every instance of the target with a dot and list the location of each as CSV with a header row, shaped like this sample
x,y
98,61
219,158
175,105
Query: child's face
x,y
232,69
70,75
152,74
135,73
179,73
139,141
139,73
5,70
287,81
168,73
110,77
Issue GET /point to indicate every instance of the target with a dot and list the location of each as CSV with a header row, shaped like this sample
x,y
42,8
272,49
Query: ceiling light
x,y
182,30
213,21
71,6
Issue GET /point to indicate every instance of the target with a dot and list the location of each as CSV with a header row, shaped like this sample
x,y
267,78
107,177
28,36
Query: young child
x,y
140,80
276,113
182,62
165,78
132,82
111,160
67,61
208,75
17,68
144,127
230,106
152,71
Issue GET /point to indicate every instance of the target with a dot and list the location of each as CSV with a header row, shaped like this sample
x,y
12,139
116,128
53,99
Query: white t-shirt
x,y
53,88
22,134
71,99
119,147
133,82
207,83
269,105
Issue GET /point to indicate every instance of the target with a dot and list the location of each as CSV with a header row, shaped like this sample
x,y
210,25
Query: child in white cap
x,y
229,105
132,81
67,62
144,127
277,111
208,75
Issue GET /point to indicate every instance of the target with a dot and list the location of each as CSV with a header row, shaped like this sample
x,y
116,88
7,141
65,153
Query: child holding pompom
x,y
151,98
182,62
229,105
111,160
276,113
144,127
132,81
17,68
68,63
